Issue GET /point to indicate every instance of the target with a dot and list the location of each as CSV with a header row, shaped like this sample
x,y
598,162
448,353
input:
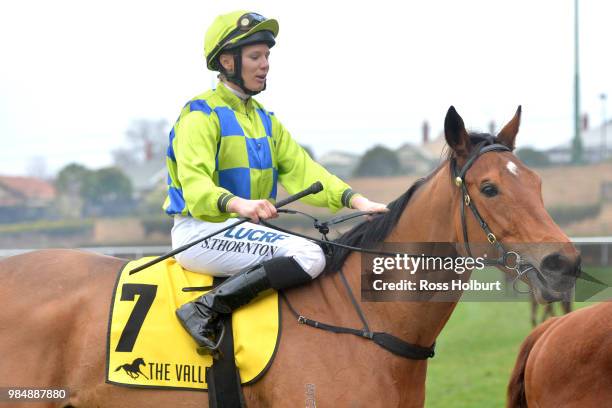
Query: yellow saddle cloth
x,y
147,346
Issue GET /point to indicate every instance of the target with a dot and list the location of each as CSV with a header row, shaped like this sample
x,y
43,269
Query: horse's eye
x,y
489,190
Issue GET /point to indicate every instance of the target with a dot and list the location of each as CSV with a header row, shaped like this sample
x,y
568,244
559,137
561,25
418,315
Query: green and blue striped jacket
x,y
221,147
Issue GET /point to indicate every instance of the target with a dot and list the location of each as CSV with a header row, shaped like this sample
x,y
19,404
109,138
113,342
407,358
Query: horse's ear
x,y
455,133
508,134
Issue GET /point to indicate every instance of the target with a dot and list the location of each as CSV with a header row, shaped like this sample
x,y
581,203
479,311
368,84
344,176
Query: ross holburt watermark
x,y
445,272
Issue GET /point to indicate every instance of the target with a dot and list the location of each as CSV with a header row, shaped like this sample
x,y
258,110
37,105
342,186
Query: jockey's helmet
x,y
234,30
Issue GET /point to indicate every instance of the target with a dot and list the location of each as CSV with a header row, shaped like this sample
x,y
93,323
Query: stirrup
x,y
214,349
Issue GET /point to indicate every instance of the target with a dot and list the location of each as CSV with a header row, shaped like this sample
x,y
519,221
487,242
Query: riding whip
x,y
313,189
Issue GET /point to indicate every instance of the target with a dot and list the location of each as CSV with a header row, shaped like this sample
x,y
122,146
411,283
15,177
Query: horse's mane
x,y
368,233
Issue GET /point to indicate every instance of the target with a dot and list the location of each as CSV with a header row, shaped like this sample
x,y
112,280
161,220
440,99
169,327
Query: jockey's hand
x,y
363,204
253,209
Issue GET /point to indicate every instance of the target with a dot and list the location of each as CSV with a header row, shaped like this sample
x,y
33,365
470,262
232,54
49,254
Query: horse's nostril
x,y
555,262
560,272
561,264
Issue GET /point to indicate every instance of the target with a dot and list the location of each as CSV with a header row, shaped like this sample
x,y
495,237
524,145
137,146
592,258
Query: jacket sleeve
x,y
195,144
297,171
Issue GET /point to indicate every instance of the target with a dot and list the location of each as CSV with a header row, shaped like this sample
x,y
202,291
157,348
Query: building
x,y
414,159
435,149
24,198
596,143
341,164
424,158
145,177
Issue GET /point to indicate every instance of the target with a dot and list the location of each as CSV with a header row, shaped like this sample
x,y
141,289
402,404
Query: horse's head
x,y
507,196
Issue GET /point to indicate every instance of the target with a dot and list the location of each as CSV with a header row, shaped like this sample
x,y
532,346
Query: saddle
x,y
147,346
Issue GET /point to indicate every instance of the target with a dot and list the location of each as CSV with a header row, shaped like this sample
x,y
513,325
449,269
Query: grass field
x,y
475,354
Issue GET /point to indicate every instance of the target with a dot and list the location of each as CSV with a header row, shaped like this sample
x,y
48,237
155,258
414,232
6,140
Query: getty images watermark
x,y
412,264
423,278
442,272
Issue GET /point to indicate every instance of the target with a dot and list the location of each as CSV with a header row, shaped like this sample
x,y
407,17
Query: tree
x,y
378,161
107,191
69,182
70,179
532,157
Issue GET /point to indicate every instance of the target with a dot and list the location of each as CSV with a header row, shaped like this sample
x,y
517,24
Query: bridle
x,y
508,259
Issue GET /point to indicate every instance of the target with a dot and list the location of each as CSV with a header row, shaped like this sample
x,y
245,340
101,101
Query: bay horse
x,y
566,362
55,303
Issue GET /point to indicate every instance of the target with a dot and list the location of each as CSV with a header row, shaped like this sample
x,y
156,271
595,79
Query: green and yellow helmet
x,y
237,29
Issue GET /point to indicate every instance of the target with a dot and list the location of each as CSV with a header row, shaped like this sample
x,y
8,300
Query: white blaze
x,y
512,168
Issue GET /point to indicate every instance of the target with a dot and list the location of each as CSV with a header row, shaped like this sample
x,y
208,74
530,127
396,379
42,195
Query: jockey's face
x,y
255,66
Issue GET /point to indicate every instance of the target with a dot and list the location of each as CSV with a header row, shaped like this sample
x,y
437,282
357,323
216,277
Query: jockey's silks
x,y
221,147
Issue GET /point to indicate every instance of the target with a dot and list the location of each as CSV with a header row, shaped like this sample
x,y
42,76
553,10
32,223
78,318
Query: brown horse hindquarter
x,y
55,309
570,363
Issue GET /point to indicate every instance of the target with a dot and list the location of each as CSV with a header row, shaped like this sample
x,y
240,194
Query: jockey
x,y
225,156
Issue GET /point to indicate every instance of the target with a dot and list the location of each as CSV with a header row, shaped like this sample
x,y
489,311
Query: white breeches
x,y
241,247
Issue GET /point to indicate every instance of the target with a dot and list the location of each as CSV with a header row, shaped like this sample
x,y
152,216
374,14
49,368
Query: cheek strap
x,y
236,76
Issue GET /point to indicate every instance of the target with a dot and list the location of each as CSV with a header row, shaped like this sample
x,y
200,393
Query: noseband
x,y
507,259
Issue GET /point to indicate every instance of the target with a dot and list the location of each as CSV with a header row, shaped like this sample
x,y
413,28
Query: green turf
x,y
475,354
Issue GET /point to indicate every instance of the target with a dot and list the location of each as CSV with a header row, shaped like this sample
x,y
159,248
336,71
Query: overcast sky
x,y
344,75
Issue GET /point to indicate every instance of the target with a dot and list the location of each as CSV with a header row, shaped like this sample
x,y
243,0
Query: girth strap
x,y
401,348
387,341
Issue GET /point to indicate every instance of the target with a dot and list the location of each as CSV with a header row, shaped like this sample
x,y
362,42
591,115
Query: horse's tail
x,y
516,386
118,368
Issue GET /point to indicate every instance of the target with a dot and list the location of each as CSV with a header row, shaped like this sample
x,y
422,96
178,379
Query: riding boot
x,y
201,317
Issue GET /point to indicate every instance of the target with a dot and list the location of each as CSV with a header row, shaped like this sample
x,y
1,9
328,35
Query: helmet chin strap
x,y
236,76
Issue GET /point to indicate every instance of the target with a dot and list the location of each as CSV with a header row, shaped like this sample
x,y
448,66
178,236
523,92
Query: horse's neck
x,y
428,217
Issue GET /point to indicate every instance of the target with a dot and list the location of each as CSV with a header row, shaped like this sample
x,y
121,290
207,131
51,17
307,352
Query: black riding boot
x,y
201,317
